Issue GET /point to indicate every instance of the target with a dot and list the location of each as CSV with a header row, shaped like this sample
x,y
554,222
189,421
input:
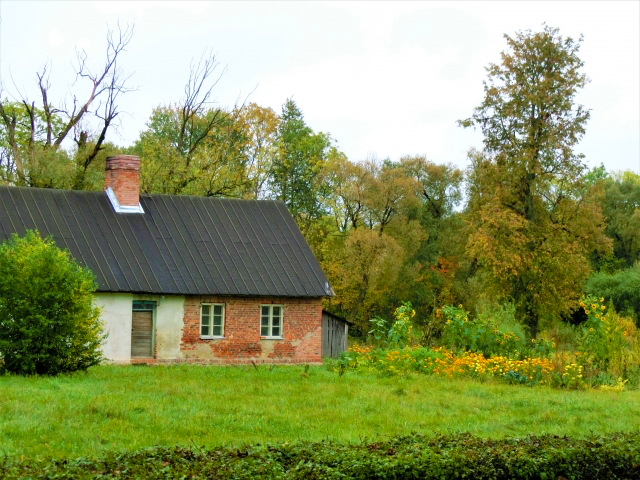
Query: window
x,y
271,321
211,320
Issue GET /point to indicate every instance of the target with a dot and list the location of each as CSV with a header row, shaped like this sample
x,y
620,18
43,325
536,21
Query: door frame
x,y
145,306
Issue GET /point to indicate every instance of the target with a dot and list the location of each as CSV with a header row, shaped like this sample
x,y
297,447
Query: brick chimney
x,y
121,182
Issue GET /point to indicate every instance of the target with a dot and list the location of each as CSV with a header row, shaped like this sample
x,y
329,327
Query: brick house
x,y
183,278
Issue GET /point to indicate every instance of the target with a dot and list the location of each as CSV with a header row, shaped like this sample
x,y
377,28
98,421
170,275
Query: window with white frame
x,y
271,321
211,320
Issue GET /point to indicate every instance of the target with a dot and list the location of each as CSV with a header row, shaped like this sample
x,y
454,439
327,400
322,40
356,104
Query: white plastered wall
x,y
169,323
116,313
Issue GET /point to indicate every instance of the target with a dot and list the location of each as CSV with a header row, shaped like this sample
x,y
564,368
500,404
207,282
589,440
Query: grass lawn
x,y
118,408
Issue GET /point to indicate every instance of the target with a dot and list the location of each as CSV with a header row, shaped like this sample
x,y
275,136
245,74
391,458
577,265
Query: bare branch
x,y
44,88
197,99
115,46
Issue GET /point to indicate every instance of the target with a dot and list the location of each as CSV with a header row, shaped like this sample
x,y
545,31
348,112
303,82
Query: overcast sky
x,y
383,79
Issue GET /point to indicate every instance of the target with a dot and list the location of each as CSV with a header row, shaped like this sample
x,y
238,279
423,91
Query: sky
x,y
384,79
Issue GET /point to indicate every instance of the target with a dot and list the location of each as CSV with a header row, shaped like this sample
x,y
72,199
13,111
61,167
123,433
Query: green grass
x,y
118,408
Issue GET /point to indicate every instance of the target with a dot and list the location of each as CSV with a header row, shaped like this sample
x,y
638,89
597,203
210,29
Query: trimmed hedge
x,y
412,456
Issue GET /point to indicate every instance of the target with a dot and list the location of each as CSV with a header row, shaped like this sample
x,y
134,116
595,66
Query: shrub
x,y
480,335
608,340
48,323
397,336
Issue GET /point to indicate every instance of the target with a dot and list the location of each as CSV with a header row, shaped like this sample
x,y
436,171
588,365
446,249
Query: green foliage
x,y
32,138
194,151
407,456
401,328
621,210
503,314
621,287
478,335
606,340
595,175
379,330
48,324
397,336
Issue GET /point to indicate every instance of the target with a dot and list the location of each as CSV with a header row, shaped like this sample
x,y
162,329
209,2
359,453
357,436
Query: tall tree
x,y
297,167
532,223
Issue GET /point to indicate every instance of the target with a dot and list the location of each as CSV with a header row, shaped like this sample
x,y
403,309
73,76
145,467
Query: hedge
x,y
412,456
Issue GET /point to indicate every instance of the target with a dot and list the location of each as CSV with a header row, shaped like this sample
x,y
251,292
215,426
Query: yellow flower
x,y
601,299
602,308
591,329
593,306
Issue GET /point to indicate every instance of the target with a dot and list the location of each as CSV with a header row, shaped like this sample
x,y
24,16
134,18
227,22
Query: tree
x,y
532,222
48,323
31,137
363,273
298,164
193,146
621,209
440,192
388,193
347,182
259,127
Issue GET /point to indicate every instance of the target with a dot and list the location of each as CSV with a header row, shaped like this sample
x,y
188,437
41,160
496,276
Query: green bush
x,y
411,456
48,323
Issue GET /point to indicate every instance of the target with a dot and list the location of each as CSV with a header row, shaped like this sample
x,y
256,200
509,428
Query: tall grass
x,y
118,408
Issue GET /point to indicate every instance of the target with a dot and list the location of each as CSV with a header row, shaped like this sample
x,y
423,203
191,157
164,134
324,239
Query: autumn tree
x,y
369,204
32,133
348,183
532,224
259,127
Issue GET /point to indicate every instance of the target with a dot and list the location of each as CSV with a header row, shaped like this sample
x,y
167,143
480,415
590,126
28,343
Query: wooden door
x,y
141,334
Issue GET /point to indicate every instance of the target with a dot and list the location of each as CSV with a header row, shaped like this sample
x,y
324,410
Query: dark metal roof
x,y
180,245
336,317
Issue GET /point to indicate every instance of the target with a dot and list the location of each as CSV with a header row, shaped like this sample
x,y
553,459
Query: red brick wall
x,y
122,175
302,332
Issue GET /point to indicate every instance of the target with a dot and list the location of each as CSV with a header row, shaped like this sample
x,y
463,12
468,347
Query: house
x,y
183,278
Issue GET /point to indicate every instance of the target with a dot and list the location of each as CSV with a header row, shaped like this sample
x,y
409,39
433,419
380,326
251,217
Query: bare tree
x,y
196,103
27,128
194,146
